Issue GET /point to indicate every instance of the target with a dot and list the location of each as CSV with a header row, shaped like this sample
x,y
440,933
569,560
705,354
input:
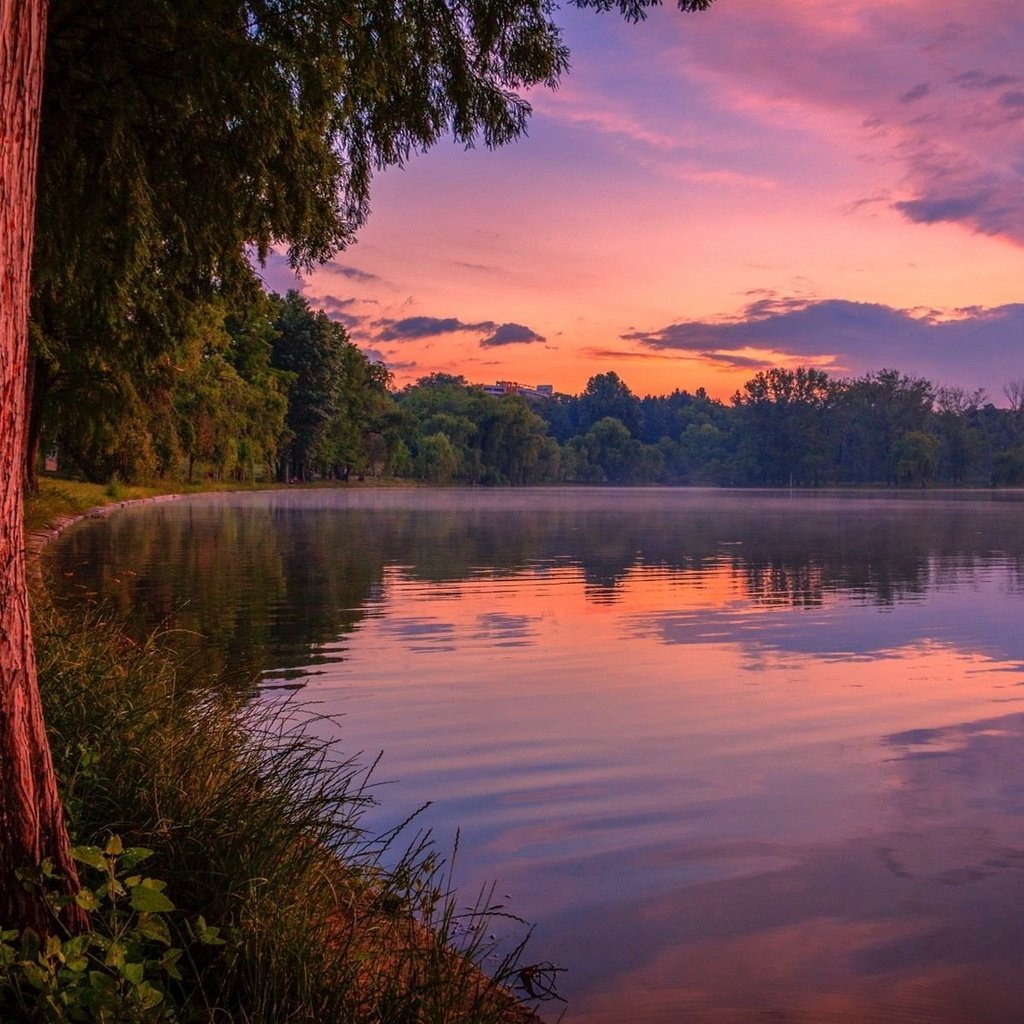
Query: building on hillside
x,y
533,392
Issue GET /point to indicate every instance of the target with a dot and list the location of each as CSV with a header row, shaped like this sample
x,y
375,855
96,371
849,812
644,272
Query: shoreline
x,y
511,1008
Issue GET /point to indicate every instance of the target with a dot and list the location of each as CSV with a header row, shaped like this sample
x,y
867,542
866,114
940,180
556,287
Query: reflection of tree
x,y
267,579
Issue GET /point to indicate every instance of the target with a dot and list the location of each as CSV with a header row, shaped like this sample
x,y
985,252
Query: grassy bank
x,y
59,497
273,903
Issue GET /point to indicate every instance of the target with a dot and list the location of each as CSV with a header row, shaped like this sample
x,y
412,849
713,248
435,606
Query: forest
x,y
273,389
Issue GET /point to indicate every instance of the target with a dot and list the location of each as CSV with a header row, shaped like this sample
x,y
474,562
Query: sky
x,y
822,183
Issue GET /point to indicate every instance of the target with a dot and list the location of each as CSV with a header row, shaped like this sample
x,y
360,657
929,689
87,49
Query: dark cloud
x,y
375,355
332,304
621,354
738,362
981,80
352,273
1013,101
917,93
511,334
412,328
337,310
946,208
973,346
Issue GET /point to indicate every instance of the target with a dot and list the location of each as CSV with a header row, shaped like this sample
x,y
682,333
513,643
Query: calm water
x,y
741,757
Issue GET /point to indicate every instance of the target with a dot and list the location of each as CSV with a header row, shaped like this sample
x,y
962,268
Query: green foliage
x,y
123,969
256,827
340,416
181,139
458,432
916,455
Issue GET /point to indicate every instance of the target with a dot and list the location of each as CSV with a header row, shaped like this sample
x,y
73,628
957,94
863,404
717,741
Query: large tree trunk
x,y
31,818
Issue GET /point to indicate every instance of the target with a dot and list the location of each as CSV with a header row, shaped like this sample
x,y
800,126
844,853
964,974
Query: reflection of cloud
x,y
501,629
420,635
837,623
907,908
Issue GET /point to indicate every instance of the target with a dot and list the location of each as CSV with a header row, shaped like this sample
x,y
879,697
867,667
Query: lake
x,y
741,756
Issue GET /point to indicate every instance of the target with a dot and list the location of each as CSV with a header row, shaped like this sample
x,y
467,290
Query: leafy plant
x,y
123,969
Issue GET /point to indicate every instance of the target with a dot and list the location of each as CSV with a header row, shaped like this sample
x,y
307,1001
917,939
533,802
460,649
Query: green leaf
x,y
102,983
91,855
148,900
169,963
134,972
114,847
86,899
207,934
115,955
155,928
35,975
134,855
147,995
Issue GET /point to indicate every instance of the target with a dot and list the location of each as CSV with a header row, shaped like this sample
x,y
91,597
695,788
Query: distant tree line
x,y
784,427
269,388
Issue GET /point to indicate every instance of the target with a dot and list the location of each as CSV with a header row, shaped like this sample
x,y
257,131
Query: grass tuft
x,y
256,824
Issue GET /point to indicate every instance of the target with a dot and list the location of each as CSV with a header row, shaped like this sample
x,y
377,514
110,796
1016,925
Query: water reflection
x,y
742,757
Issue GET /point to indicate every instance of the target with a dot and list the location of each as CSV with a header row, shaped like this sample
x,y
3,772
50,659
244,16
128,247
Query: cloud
x,y
917,93
412,328
929,94
981,80
337,309
573,105
620,354
970,346
352,273
511,334
946,208
374,355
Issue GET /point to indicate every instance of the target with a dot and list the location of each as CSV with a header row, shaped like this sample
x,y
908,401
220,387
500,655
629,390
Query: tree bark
x,y
32,825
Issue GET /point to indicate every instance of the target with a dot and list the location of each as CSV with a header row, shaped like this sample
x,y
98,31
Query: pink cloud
x,y
932,90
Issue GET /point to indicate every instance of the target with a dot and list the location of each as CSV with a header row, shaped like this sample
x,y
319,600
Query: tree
x,y
179,136
31,818
310,347
783,417
607,395
875,412
916,455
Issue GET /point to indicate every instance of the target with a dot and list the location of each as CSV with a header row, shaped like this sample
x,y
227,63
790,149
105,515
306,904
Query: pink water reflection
x,y
740,758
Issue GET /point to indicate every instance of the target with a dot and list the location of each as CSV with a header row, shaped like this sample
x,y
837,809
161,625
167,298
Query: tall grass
x,y
257,826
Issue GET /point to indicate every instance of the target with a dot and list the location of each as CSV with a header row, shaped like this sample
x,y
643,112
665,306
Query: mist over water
x,y
740,755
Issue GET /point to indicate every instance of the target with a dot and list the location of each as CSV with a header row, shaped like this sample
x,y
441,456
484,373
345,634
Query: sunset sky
x,y
770,183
